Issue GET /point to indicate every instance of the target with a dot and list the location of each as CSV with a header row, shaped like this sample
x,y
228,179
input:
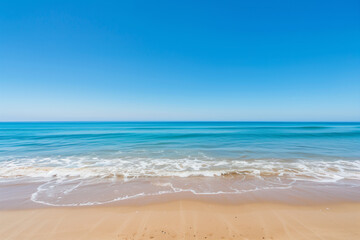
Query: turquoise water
x,y
178,148
71,164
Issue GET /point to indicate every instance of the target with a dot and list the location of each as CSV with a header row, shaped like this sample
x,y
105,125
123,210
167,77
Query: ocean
x,y
139,159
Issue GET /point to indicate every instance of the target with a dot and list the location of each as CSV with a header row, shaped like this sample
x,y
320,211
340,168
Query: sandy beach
x,y
185,220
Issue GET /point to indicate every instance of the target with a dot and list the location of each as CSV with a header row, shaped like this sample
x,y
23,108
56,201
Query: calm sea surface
x,y
60,153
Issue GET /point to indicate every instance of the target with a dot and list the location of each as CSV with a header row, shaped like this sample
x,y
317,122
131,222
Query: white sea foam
x,y
66,180
53,193
86,167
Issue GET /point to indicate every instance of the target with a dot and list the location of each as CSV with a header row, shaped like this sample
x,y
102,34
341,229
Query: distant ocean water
x,y
64,153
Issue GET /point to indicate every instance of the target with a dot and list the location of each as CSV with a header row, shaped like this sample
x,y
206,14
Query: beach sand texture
x,y
185,220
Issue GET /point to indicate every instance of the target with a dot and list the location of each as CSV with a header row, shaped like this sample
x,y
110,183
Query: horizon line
x,y
169,121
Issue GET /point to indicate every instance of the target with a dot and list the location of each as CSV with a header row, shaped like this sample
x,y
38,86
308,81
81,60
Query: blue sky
x,y
180,60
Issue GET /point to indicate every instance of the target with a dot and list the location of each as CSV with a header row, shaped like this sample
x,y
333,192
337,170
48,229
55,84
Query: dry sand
x,y
185,220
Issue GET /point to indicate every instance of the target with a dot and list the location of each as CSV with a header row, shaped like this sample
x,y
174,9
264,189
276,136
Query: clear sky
x,y
180,60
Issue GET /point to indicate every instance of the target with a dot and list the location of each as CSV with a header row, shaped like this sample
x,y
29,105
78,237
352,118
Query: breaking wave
x,y
86,167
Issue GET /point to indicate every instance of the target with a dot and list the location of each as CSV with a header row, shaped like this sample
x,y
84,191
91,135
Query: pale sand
x,y
185,220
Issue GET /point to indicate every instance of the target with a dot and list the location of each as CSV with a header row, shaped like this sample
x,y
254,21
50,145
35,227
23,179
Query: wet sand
x,y
185,220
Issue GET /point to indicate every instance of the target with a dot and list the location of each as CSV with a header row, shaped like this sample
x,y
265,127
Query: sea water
x,y
139,159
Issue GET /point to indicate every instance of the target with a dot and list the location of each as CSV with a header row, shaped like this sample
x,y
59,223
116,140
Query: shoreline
x,y
75,193
185,219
